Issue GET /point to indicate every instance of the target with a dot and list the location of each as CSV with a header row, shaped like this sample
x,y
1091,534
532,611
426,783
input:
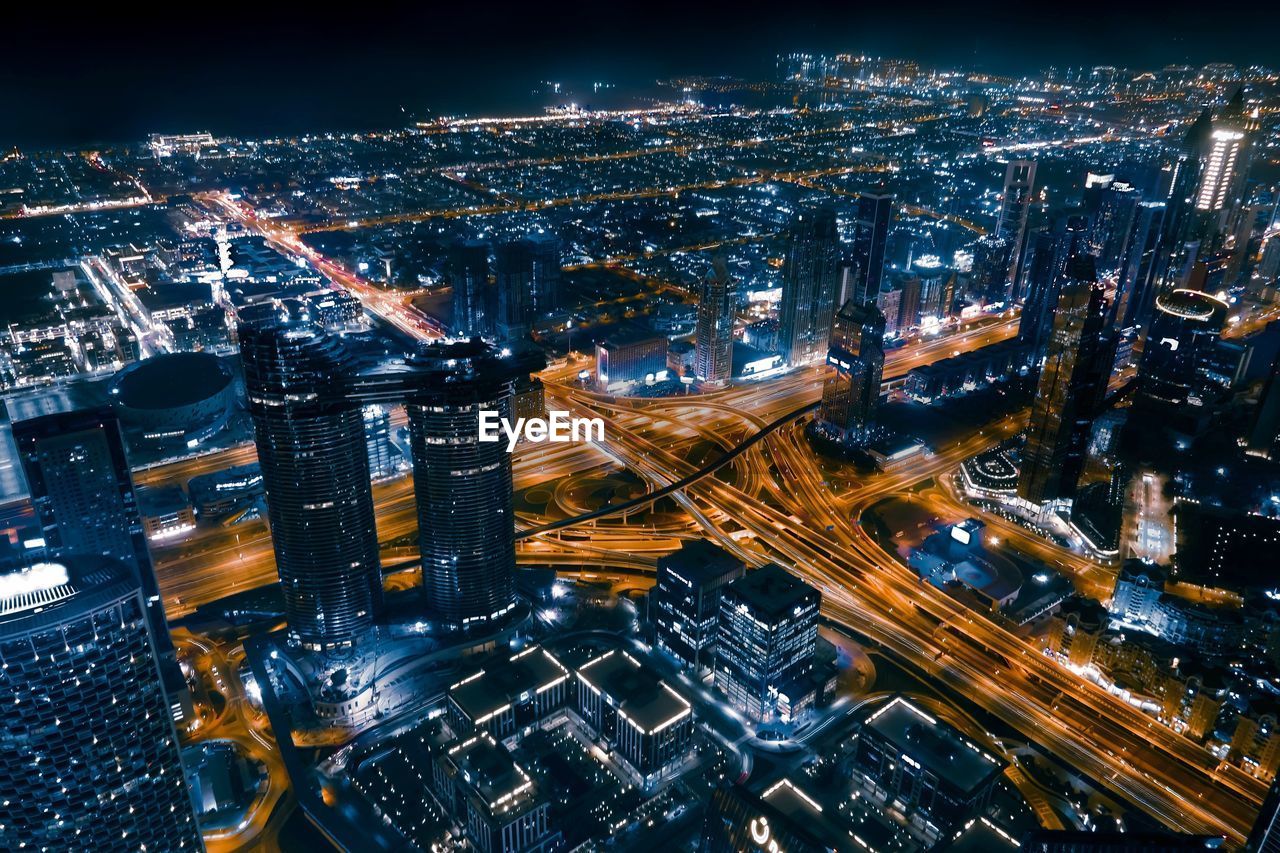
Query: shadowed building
x,y
1067,395
855,359
712,361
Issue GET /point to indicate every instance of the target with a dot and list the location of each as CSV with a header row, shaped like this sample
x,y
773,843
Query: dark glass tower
x,y
1184,332
712,360
89,758
513,271
871,237
1139,272
1067,394
474,305
855,358
1045,265
466,522
809,280
315,466
77,472
546,272
1015,206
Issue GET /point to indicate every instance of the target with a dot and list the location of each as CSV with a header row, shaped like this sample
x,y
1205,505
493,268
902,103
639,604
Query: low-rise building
x,y
509,693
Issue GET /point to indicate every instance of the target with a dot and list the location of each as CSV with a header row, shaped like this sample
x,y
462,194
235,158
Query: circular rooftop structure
x,y
1191,305
174,400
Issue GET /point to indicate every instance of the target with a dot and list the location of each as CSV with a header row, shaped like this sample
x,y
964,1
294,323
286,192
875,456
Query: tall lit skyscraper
x,y
712,358
809,286
89,758
466,521
77,472
855,360
1067,395
1015,205
1222,161
546,272
315,466
871,238
474,303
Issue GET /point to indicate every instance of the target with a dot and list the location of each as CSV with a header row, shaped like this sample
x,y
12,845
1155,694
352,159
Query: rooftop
x,y
500,684
935,745
646,700
489,770
773,592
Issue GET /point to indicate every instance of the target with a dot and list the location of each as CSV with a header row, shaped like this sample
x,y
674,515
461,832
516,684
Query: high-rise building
x,y
474,303
1112,224
466,520
1138,277
1223,161
1264,434
768,633
712,360
315,467
855,359
870,240
809,286
1015,205
82,491
513,271
1045,266
546,272
1068,391
1264,837
990,273
89,759
685,601
1178,355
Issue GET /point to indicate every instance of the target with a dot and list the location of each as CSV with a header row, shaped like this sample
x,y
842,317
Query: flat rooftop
x,y
501,682
935,745
772,591
646,700
491,772
700,562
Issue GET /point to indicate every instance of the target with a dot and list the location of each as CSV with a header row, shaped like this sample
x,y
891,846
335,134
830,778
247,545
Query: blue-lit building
x,y
685,602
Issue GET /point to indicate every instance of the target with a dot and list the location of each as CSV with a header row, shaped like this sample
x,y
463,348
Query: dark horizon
x,y
261,72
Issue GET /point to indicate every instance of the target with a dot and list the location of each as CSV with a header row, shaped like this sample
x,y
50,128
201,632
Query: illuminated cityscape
x,y
841,448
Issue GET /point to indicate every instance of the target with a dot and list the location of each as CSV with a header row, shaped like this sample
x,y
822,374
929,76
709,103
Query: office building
x,y
1046,259
1178,358
990,274
685,602
768,633
1222,161
89,758
809,280
925,767
870,240
546,272
1071,381
1137,279
499,806
81,487
1015,206
712,360
315,466
462,485
630,357
513,274
648,723
509,694
474,302
855,364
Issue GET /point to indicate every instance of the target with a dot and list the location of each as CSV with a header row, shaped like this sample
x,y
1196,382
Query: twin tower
x,y
306,388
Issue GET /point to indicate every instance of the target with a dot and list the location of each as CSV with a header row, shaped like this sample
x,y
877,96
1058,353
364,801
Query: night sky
x,y
67,79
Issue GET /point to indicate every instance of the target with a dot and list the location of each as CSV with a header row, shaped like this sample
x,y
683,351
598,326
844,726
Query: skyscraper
x,y
1177,356
1015,205
315,466
1046,261
1138,276
1068,391
77,472
855,359
685,603
89,758
809,286
546,272
990,273
466,521
513,271
474,303
712,357
871,238
767,636
1222,162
